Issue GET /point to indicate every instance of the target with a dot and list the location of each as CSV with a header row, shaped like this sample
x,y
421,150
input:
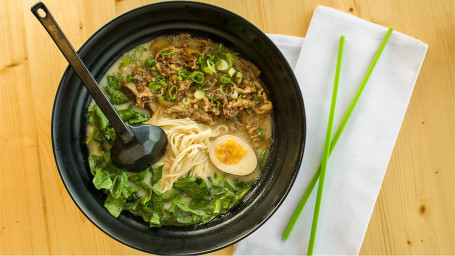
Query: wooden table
x,y
415,210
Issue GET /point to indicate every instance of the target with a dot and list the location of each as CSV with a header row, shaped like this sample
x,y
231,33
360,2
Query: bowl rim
x,y
276,50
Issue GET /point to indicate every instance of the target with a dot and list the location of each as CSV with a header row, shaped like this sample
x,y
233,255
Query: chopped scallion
x,y
197,76
126,61
235,95
260,132
231,72
225,79
138,52
238,77
173,92
199,94
130,79
222,65
186,101
167,52
214,100
210,68
150,62
183,73
154,86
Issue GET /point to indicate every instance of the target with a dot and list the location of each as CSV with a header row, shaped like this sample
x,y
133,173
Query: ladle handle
x,y
48,22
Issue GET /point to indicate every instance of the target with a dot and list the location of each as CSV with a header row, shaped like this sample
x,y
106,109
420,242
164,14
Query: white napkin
x,y
359,161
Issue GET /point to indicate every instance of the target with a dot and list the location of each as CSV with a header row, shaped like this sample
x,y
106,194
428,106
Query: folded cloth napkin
x,y
358,163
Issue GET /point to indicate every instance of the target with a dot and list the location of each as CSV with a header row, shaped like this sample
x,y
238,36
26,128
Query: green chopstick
x,y
337,135
325,156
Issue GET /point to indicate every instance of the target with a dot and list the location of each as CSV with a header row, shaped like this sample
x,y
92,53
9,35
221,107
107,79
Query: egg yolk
x,y
229,152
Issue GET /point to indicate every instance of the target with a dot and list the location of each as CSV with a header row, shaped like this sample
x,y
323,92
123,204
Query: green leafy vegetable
x,y
193,187
116,97
102,179
157,173
119,185
140,176
262,157
114,205
132,117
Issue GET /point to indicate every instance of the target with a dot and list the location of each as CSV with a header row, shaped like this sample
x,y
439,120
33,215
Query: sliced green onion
x,y
173,96
130,79
161,97
197,76
120,76
200,60
160,80
199,94
231,72
214,100
183,73
230,59
255,97
238,77
138,52
241,96
222,65
225,79
260,132
154,85
150,62
167,52
126,61
186,101
235,95
210,68
221,89
153,68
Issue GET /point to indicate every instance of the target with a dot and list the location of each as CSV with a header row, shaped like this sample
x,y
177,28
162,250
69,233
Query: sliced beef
x,y
181,111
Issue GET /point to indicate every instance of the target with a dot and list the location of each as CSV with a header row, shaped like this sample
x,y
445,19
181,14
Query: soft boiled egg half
x,y
232,154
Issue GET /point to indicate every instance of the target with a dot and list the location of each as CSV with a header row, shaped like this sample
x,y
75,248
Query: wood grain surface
x,y
415,210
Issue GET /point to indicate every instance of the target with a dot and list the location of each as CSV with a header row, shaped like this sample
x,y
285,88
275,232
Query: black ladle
x,y
135,147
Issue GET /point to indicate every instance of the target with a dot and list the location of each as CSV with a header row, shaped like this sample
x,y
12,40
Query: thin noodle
x,y
187,152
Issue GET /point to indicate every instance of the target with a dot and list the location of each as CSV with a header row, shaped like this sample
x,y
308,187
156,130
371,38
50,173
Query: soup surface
x,y
216,114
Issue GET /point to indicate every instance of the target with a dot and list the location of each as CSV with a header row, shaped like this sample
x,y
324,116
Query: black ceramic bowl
x,y
200,20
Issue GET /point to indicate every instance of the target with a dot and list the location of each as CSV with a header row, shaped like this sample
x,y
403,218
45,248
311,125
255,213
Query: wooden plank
x,y
413,213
